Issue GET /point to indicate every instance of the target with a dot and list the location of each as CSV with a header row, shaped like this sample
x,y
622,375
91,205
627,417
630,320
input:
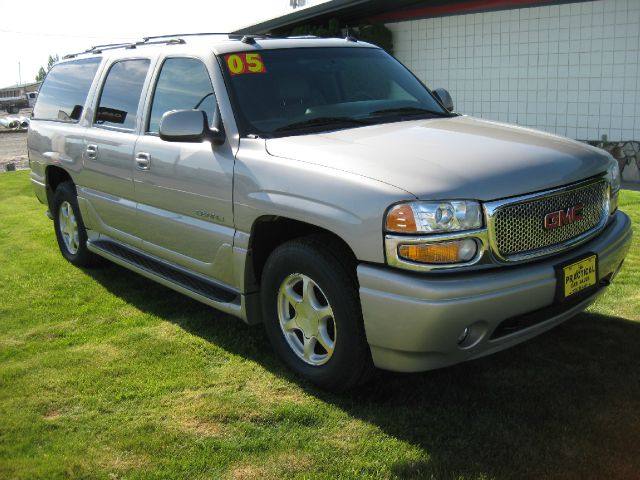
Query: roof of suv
x,y
222,44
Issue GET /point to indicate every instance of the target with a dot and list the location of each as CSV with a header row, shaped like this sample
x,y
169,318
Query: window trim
x,y
152,90
99,93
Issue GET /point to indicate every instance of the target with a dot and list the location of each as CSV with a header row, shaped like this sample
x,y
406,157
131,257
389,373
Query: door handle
x,y
92,152
143,161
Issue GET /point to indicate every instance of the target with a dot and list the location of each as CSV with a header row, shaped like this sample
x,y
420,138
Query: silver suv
x,y
318,187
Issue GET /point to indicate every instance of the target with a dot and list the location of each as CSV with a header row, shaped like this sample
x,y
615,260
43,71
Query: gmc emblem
x,y
564,217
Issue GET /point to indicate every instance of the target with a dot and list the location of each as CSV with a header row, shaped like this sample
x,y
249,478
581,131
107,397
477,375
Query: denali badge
x,y
563,217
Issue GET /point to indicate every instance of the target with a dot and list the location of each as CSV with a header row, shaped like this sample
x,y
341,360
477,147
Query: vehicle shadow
x,y
564,405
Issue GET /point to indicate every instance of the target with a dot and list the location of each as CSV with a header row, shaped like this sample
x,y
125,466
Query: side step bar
x,y
191,285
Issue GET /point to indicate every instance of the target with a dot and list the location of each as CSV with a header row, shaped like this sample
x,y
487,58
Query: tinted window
x,y
64,91
183,84
121,94
298,86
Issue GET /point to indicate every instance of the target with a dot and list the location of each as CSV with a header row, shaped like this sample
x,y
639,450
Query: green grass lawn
x,y
104,374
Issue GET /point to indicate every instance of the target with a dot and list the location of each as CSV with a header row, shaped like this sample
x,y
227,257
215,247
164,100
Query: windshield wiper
x,y
409,111
322,121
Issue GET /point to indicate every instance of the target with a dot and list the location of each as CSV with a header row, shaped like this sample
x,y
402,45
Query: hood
x,y
449,158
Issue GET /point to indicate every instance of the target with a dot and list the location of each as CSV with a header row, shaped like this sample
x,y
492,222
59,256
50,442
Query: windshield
x,y
295,91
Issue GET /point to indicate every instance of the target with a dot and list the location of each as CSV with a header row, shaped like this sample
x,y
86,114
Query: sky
x,y
32,31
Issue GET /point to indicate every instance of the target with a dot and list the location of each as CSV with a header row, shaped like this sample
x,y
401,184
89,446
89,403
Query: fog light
x,y
455,251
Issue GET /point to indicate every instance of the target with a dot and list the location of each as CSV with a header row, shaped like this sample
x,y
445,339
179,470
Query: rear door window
x,y
183,83
118,105
64,91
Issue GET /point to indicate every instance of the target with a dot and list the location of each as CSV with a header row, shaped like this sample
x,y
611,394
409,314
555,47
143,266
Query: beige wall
x,y
569,69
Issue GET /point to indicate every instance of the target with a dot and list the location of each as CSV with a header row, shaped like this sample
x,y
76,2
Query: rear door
x,y
184,190
107,179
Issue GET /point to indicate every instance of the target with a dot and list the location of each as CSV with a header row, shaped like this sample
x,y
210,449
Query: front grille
x,y
519,226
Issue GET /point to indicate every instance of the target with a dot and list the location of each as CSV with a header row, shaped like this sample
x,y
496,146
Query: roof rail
x,y
229,34
111,46
128,45
173,39
170,41
97,49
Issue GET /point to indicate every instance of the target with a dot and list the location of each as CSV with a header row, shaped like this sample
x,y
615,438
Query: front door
x,y
184,190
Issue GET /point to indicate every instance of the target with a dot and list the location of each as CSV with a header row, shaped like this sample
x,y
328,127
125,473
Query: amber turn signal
x,y
401,219
456,251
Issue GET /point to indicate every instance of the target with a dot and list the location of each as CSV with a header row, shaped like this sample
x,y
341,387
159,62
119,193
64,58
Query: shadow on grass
x,y
564,405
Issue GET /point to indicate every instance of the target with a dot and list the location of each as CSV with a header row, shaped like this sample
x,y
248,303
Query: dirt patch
x,y
51,415
281,465
247,472
202,427
13,145
119,461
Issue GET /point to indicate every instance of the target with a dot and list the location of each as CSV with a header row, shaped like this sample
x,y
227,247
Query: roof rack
x,y
98,49
175,39
171,41
240,36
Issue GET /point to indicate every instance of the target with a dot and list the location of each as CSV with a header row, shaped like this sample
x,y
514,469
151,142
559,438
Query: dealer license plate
x,y
579,275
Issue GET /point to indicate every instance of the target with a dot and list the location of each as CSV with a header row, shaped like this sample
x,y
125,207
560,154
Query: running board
x,y
169,276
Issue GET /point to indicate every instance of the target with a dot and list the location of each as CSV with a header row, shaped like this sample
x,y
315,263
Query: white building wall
x,y
568,69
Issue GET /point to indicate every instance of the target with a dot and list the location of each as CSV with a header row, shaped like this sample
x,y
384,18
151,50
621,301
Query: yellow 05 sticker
x,y
241,63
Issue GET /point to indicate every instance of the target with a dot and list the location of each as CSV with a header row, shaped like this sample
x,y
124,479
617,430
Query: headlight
x,y
613,177
434,217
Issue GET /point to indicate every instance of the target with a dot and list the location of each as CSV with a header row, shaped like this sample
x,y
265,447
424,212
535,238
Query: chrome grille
x,y
519,227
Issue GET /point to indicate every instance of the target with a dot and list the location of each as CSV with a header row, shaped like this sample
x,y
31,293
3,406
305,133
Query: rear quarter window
x,y
64,92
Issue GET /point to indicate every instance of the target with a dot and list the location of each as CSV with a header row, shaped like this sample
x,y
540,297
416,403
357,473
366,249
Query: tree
x,y
50,63
331,30
52,60
41,74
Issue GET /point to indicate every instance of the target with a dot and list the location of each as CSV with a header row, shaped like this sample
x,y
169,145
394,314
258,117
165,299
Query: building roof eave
x,y
300,16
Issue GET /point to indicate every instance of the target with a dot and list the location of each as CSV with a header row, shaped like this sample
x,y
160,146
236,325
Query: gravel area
x,y
13,145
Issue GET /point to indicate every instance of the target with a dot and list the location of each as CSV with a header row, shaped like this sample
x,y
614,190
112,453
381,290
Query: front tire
x,y
69,227
312,314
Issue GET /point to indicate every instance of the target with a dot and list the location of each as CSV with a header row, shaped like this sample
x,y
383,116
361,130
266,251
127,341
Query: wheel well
x,y
270,232
55,176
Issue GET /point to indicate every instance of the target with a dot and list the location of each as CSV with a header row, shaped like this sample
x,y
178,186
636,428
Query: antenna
x,y
349,37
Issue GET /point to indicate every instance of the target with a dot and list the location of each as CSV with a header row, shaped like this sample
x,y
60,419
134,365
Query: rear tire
x,y
312,314
69,227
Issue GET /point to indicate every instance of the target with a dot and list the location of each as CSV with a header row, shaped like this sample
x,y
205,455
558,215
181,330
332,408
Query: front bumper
x,y
413,322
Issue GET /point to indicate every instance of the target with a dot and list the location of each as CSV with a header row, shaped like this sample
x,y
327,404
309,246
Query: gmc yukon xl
x,y
318,187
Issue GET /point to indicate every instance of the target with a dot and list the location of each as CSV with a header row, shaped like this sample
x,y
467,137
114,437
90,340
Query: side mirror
x,y
189,126
444,97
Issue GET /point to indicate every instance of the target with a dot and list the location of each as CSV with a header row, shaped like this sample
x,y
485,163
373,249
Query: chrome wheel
x,y
68,227
306,319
